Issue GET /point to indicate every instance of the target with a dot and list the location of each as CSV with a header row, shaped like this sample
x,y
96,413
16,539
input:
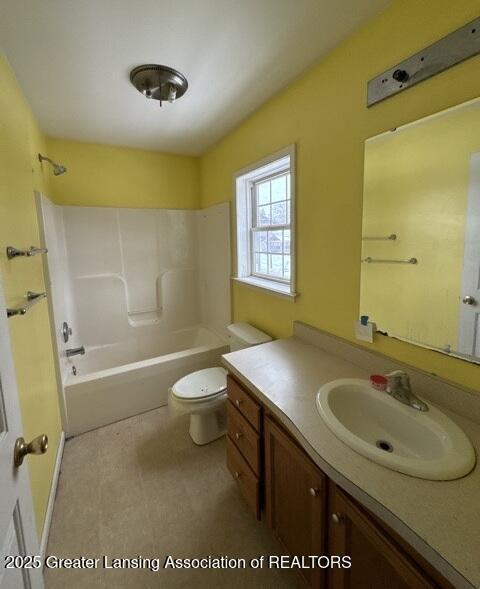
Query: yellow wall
x,y
20,141
416,185
102,175
324,113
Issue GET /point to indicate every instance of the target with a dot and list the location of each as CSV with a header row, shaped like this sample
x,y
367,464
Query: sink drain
x,y
384,445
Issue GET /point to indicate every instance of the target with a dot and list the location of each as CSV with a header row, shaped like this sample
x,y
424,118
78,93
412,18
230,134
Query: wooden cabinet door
x,y
295,499
377,561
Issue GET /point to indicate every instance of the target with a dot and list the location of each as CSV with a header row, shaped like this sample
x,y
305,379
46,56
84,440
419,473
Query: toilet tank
x,y
244,335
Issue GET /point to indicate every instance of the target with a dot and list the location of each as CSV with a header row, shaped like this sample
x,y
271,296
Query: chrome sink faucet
x,y
399,388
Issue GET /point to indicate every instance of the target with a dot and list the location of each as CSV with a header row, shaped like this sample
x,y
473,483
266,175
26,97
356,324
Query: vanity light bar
x,y
445,53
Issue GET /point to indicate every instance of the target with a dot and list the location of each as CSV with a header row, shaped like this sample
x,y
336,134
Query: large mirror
x,y
420,278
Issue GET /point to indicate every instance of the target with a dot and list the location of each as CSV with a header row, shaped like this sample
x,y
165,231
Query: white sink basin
x,y
428,445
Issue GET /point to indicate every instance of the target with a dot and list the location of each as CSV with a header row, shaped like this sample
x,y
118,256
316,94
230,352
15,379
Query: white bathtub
x,y
119,380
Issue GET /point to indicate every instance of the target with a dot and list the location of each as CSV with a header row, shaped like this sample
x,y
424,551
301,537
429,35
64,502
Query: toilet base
x,y
208,426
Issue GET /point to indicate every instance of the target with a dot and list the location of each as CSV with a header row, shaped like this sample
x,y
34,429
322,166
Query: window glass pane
x,y
261,264
263,215
275,242
286,241
263,193
275,265
268,243
286,267
260,241
279,189
279,213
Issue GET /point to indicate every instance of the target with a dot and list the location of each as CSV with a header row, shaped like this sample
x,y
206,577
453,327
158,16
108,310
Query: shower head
x,y
58,169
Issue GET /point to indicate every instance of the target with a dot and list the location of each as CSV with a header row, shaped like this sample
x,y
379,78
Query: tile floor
x,y
141,487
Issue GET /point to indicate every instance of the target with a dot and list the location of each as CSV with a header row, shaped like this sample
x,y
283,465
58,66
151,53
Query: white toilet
x,y
203,394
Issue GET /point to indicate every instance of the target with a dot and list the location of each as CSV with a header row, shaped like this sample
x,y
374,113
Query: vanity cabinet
x,y
377,560
244,443
245,403
308,513
295,498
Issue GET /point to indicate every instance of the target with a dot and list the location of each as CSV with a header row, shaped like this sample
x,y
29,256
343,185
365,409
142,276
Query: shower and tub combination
x,y
139,297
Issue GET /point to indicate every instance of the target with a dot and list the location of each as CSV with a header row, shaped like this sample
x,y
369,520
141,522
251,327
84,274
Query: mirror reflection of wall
x,y
422,184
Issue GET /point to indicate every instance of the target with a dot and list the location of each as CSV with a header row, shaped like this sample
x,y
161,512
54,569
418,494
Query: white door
x,y
469,336
18,534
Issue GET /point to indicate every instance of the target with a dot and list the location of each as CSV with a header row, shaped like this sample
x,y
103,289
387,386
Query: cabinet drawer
x,y
244,437
246,480
247,406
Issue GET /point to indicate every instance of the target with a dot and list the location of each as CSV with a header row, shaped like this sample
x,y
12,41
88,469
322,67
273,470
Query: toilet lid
x,y
203,383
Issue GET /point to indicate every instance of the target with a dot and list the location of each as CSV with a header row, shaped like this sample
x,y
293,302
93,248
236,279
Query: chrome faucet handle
x,y
398,378
399,388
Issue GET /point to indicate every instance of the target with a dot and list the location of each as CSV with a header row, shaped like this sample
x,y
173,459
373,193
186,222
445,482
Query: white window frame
x,y
244,183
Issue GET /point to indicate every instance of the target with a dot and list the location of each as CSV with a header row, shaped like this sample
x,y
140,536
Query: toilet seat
x,y
201,385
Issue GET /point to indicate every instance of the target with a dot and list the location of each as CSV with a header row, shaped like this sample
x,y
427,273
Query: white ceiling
x,y
73,57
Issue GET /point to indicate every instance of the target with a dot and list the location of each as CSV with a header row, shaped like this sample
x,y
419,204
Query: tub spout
x,y
75,351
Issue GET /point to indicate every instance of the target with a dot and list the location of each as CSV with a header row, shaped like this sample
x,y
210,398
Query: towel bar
x,y
13,252
32,299
376,261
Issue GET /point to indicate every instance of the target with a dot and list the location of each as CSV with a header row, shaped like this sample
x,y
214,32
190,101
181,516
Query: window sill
x,y
277,289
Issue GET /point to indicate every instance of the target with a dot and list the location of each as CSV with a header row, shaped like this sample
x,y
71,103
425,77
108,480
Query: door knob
x,y
469,300
314,491
38,445
336,518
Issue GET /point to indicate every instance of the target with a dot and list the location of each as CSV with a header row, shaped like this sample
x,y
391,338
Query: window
x,y
264,219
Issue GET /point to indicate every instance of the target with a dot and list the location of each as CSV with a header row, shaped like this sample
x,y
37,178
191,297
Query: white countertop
x,y
440,519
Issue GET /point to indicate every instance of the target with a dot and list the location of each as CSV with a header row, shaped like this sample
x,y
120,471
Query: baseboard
x,y
51,497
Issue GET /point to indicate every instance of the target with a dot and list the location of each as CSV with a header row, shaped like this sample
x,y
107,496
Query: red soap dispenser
x,y
379,382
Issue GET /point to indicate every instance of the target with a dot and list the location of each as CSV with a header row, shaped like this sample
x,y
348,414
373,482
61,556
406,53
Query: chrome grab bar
x,y
32,299
376,261
13,252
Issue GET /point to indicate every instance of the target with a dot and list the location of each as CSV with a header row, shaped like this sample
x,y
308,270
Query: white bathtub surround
x,y
214,266
132,267
109,387
59,295
135,285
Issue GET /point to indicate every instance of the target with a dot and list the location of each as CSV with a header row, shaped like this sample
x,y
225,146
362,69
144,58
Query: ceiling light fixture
x,y
159,82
